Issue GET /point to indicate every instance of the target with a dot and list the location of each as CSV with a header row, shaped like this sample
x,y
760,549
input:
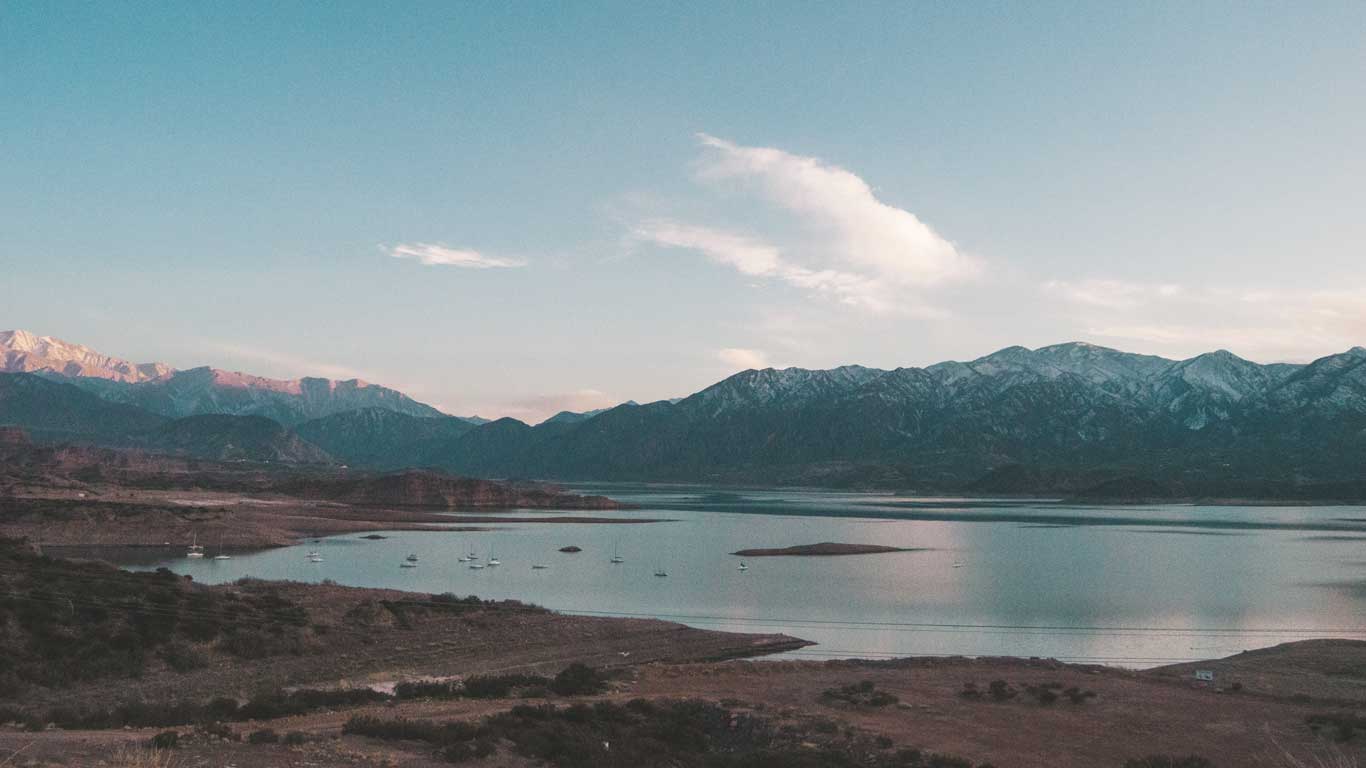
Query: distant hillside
x,y
233,438
378,437
53,410
57,412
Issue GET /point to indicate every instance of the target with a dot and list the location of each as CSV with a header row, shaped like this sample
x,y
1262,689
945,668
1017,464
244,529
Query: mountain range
x,y
1069,418
163,390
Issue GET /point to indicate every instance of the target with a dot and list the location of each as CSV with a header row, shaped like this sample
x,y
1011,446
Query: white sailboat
x,y
617,559
742,567
314,557
538,567
220,555
195,549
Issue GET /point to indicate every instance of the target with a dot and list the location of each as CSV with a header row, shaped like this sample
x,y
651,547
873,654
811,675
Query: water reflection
x,y
1068,581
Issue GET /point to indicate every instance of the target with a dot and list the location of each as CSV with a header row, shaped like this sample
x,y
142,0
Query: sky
x,y
513,209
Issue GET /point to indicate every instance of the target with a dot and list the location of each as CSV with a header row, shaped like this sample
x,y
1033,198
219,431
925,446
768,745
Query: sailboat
x,y
539,567
742,567
493,560
220,555
314,557
195,549
465,558
412,558
409,562
617,559
660,572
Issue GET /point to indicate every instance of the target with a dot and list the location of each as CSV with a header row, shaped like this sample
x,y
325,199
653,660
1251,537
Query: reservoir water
x,y
1136,586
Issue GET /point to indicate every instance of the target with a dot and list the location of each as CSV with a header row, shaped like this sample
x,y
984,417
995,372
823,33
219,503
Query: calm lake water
x,y
1132,585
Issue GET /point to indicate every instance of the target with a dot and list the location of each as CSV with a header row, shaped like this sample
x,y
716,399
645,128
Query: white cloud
x,y
846,245
759,259
860,230
746,255
432,255
742,359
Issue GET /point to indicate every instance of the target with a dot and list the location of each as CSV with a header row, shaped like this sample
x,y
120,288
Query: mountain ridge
x,y
1056,419
204,390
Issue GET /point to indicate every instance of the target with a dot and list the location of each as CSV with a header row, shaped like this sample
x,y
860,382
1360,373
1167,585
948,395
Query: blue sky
x,y
513,208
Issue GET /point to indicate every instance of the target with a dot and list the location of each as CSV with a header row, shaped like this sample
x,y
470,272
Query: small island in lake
x,y
824,548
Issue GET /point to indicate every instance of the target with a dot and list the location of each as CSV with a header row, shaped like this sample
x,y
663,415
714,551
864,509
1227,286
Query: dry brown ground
x,y
1133,714
129,517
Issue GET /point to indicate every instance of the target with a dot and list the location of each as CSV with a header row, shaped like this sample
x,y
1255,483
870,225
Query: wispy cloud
x,y
759,259
859,228
436,255
283,364
742,359
1114,294
1260,323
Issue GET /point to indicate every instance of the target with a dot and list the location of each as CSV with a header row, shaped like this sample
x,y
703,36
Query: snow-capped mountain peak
x,y
21,351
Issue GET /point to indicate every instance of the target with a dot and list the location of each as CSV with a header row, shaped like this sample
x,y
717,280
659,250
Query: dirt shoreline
x,y
123,517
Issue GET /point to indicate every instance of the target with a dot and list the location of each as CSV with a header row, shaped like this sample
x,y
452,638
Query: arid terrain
x,y
73,496
1122,716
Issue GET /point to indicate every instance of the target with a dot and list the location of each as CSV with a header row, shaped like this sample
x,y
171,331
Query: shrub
x,y
401,729
578,680
1000,690
165,740
427,689
499,686
183,657
1344,725
295,738
1078,696
862,694
274,705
